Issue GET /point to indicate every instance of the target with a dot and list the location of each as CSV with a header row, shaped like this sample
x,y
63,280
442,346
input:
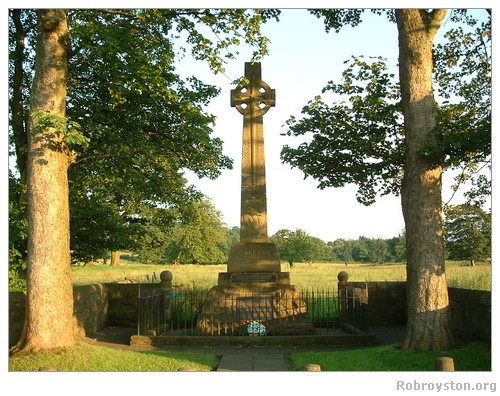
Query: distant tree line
x,y
199,236
298,246
201,243
204,239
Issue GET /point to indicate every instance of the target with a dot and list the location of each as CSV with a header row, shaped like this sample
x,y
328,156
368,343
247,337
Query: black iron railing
x,y
153,311
176,312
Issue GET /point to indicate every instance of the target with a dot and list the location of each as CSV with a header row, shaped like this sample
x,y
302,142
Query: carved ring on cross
x,y
258,101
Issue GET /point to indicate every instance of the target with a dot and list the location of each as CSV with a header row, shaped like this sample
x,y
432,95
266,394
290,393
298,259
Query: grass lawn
x,y
86,357
470,357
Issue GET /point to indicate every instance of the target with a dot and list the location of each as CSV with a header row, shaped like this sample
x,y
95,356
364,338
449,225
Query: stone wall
x,y
17,309
122,302
90,310
95,307
115,304
471,314
91,307
470,309
386,302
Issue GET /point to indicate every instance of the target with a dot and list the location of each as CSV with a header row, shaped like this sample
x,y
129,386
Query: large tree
x,y
56,137
299,246
393,138
136,124
429,321
468,233
145,123
49,311
200,237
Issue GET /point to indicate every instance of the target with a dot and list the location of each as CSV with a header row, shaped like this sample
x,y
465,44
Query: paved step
x,y
252,362
269,362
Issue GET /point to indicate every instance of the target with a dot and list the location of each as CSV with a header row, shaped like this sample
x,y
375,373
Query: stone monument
x,y
254,257
254,289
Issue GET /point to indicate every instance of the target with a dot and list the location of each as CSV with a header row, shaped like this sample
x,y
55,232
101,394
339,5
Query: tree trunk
x,y
49,313
429,326
115,258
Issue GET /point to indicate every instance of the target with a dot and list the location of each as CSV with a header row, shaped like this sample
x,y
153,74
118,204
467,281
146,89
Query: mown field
x,y
304,275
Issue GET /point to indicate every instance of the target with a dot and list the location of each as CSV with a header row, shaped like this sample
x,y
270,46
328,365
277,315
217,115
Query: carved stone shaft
x,y
253,100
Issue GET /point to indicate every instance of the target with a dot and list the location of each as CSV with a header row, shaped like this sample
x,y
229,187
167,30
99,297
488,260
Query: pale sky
x,y
303,58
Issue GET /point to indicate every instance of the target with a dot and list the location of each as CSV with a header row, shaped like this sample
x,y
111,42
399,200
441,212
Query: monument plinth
x,y
254,288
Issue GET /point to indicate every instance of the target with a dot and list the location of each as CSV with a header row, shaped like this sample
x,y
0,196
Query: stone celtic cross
x,y
253,261
253,100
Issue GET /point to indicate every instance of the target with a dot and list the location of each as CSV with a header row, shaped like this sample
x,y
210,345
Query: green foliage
x,y
18,234
397,247
233,236
463,76
97,228
358,139
467,233
45,121
298,246
146,124
342,250
60,129
229,28
336,19
370,250
133,124
201,238
196,235
74,135
17,271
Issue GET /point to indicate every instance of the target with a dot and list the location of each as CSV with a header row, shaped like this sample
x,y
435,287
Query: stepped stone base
x,y
229,308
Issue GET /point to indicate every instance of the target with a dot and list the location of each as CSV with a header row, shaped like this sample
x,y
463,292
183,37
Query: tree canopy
x,y
198,236
133,124
467,233
299,246
359,139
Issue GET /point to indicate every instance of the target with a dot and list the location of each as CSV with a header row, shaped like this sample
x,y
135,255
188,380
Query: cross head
x,y
255,97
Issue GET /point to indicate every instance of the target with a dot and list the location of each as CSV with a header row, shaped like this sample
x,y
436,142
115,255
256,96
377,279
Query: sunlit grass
x,y
304,275
85,357
93,358
471,357
461,275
